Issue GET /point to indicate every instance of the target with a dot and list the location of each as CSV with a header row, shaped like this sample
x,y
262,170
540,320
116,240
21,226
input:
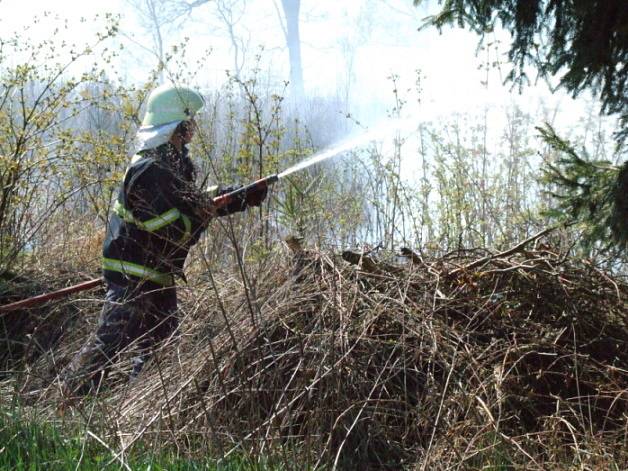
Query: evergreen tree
x,y
592,193
584,42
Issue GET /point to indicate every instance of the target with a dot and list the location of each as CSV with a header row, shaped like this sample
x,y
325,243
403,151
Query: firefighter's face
x,y
189,131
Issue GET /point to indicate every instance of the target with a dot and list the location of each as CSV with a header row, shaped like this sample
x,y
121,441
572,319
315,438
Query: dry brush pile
x,y
519,359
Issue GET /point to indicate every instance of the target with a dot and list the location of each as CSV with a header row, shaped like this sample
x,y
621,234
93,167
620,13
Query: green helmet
x,y
167,104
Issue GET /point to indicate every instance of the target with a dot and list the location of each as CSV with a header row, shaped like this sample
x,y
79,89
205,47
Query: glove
x,y
238,204
255,196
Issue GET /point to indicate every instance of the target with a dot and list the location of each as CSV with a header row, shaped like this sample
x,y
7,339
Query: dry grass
x,y
516,361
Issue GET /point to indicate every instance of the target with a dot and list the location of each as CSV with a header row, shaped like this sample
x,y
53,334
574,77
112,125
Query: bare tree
x,y
353,38
152,18
231,13
156,14
291,9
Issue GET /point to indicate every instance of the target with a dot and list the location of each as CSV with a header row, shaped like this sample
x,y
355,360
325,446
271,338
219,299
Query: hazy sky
x,y
452,76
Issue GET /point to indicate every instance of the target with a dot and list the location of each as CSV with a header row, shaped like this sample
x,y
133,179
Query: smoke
x,y
382,131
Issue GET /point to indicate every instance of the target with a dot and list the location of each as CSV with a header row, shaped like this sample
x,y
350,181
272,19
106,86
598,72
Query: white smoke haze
x,y
349,53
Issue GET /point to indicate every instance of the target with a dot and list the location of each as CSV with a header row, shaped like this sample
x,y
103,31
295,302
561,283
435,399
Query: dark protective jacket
x,y
155,220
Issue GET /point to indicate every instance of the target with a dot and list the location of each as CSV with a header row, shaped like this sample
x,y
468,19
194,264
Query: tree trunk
x,y
293,40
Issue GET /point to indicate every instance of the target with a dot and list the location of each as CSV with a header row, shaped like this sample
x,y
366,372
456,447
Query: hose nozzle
x,y
224,200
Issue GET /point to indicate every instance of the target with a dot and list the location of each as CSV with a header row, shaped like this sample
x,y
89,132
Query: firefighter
x,y
158,215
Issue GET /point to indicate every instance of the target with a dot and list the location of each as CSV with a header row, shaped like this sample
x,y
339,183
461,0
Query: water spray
x,y
318,157
348,144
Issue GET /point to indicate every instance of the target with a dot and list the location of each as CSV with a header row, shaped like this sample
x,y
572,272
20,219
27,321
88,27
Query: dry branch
x,y
381,364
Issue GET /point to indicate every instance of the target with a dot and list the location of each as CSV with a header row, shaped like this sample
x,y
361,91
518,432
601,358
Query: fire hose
x,y
219,201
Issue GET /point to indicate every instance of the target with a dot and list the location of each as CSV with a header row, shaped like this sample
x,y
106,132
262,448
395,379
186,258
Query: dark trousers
x,y
132,317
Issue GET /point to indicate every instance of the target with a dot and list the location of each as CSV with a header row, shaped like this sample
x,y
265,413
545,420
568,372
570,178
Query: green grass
x,y
30,445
